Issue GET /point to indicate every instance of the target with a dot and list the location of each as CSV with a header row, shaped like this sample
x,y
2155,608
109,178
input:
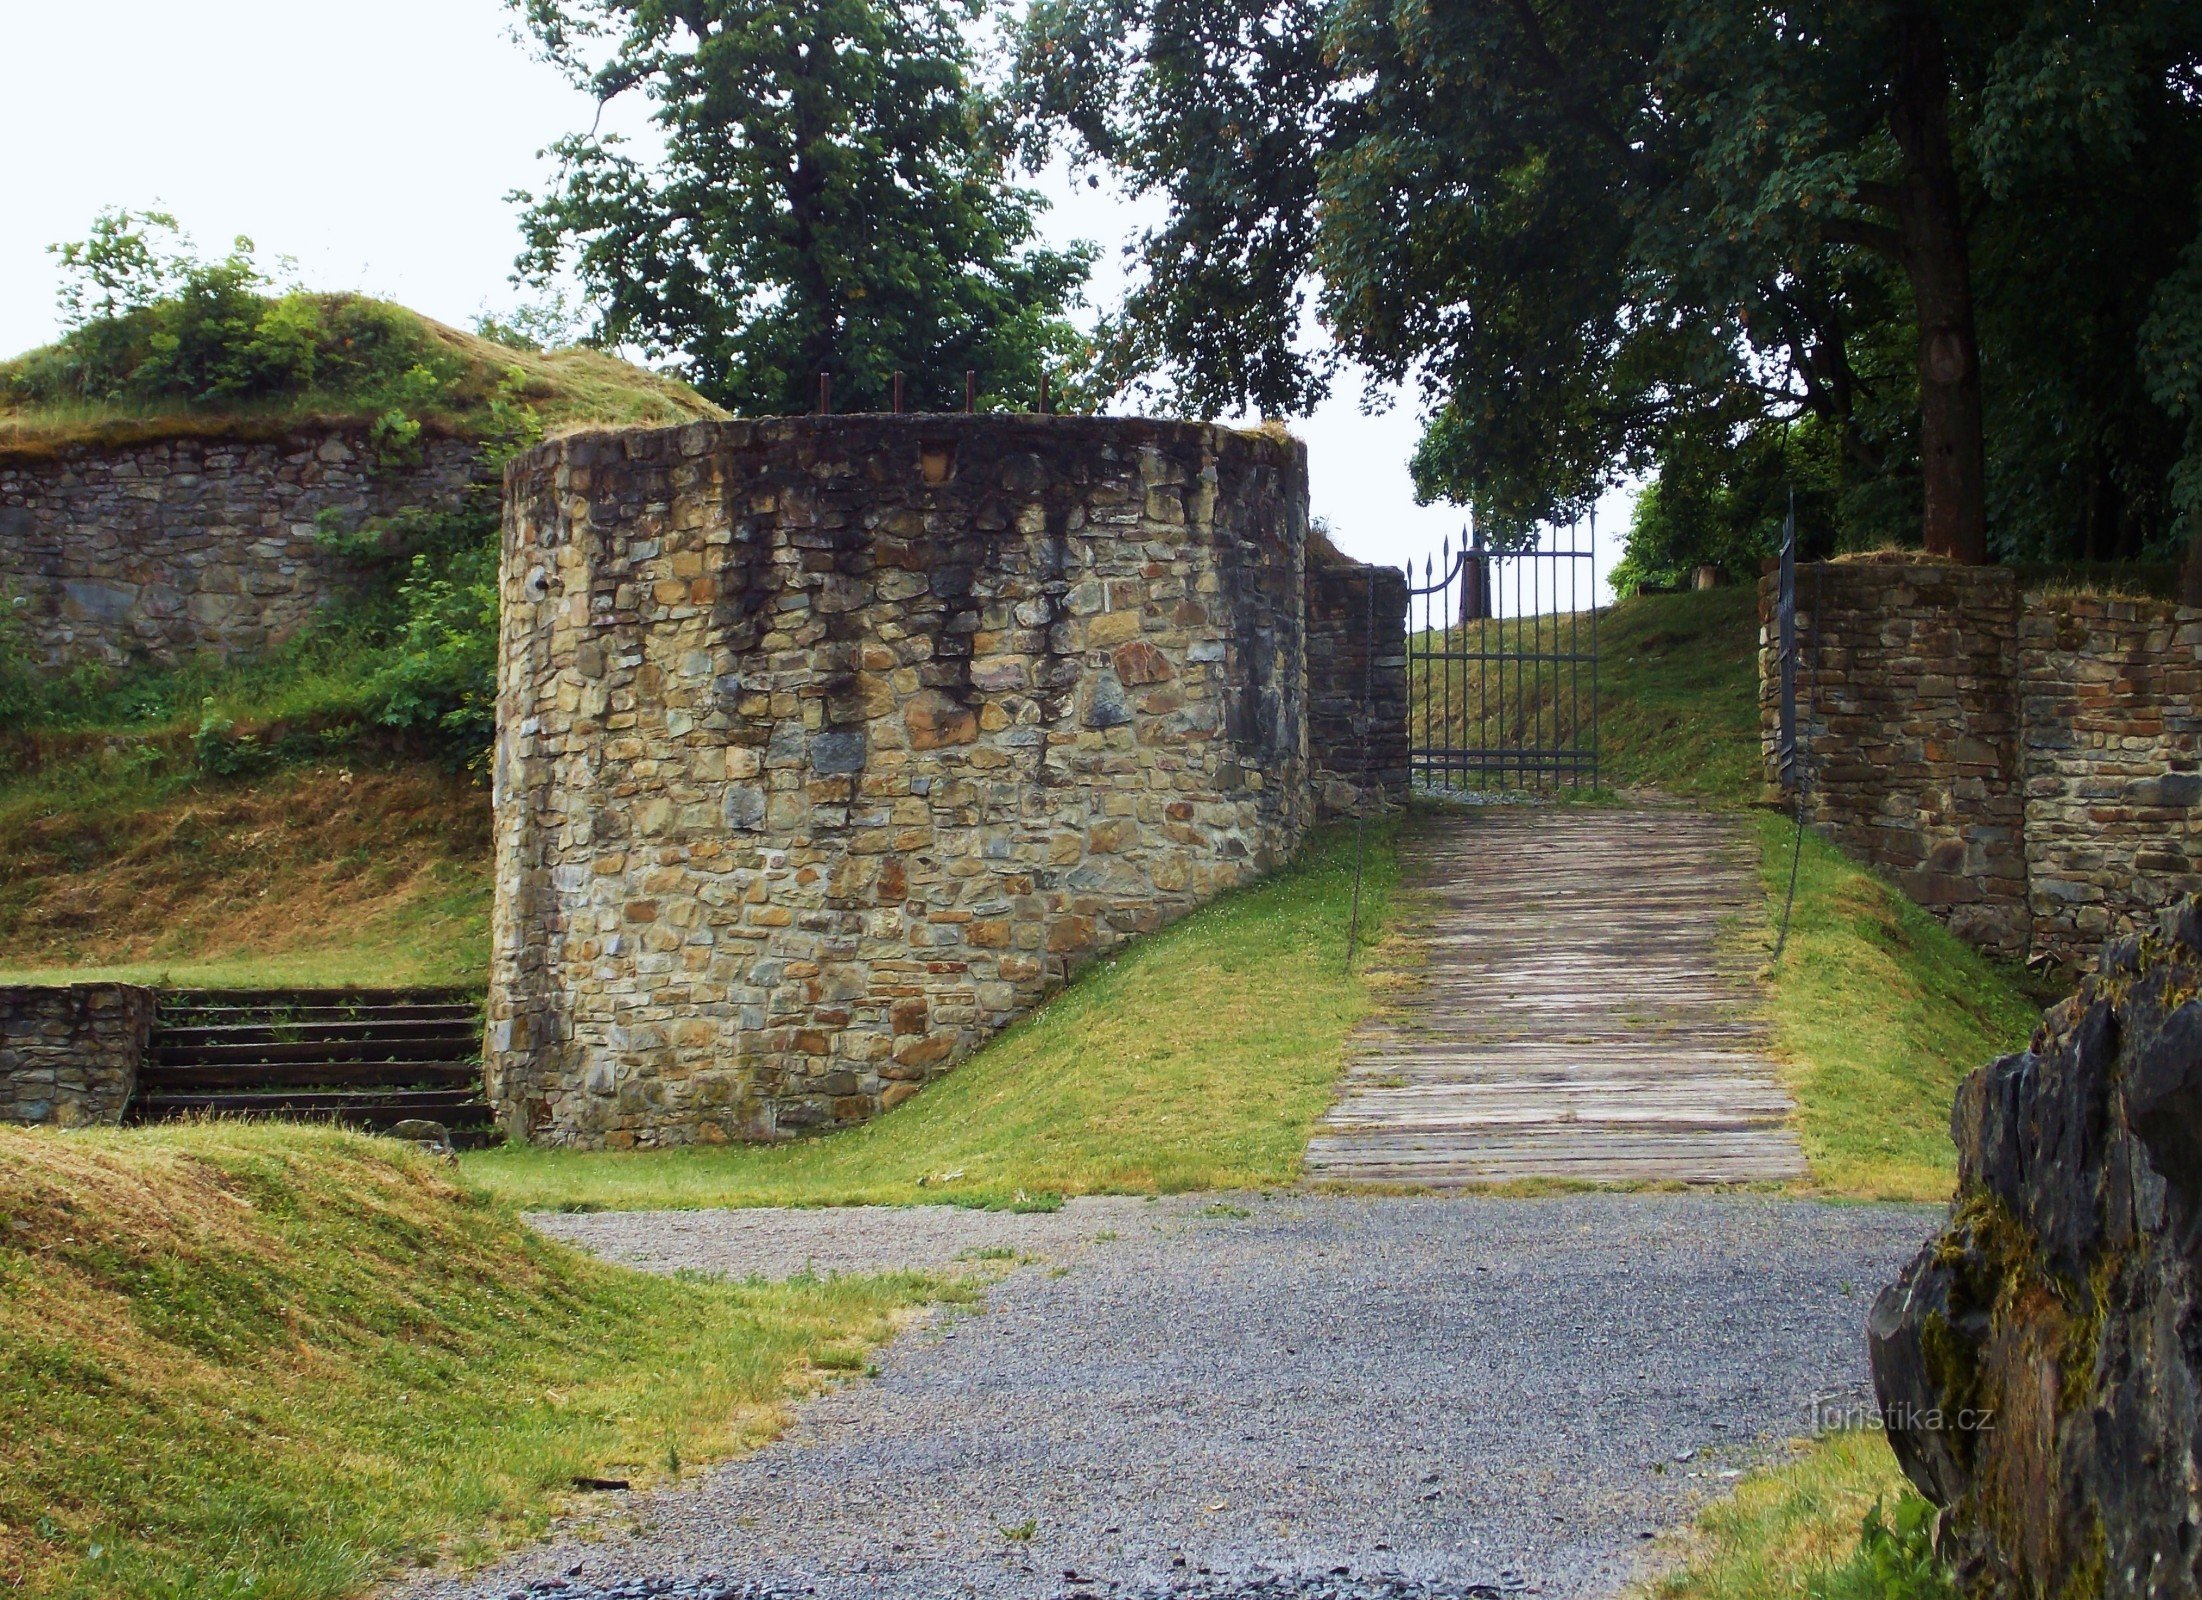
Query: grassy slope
x,y
281,1362
567,389
1199,1057
1880,1013
1678,685
1877,1009
128,863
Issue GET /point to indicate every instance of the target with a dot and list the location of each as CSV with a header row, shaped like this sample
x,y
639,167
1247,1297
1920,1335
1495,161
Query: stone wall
x,y
2023,765
2112,706
1356,701
187,546
828,746
69,1056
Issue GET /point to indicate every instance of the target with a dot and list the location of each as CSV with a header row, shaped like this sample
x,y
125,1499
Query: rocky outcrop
x,y
2040,1364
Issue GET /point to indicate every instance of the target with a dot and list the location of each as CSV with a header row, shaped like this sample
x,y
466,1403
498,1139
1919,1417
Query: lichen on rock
x,y
2039,1365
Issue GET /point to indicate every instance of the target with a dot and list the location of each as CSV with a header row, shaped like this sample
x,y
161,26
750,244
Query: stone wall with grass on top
x,y
69,1055
2024,765
189,546
1356,683
828,746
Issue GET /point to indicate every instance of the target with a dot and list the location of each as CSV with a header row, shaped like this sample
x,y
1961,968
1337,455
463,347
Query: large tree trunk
x,y
1930,218
2190,577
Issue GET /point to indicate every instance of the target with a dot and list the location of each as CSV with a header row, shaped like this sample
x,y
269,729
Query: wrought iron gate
x,y
1502,671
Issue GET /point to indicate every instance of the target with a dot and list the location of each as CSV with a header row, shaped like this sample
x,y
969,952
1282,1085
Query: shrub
x,y
151,322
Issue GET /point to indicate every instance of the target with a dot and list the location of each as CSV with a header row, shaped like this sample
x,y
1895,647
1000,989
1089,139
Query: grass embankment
x,y
134,865
1196,1058
279,1361
1880,1013
565,388
1794,1530
1676,682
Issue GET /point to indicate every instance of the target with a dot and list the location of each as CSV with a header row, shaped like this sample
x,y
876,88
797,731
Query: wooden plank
x,y
1584,1012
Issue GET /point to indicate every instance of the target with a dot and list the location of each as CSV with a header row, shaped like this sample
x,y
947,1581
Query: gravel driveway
x,y
1445,1396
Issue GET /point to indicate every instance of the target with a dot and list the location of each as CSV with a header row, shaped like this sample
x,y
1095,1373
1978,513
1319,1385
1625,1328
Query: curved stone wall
x,y
830,745
182,547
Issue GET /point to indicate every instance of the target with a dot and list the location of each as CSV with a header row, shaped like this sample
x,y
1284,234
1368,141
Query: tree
x,y
832,198
1592,230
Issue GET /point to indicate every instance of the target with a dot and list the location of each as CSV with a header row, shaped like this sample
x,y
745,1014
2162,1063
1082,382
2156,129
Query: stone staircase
x,y
364,1057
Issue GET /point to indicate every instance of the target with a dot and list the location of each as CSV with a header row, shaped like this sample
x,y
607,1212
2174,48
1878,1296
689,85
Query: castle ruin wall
x,y
195,546
829,746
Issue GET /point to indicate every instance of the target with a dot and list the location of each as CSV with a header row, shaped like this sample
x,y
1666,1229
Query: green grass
x,y
240,1360
1880,1012
368,872
1198,1057
1678,684
1795,1530
566,388
1676,693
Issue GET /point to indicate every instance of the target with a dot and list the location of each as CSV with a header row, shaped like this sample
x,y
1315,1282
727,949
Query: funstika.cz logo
x,y
1835,1411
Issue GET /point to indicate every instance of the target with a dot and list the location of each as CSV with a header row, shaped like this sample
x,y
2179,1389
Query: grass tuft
x,y
272,1360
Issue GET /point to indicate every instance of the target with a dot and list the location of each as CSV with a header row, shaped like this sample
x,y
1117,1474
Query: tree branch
x,y
1874,236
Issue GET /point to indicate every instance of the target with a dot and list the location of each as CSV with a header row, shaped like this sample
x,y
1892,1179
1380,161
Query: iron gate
x,y
1502,673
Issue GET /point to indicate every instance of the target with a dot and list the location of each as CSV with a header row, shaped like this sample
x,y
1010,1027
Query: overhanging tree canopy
x,y
1601,232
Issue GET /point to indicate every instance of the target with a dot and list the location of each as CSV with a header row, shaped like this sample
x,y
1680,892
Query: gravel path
x,y
1439,1397
778,1244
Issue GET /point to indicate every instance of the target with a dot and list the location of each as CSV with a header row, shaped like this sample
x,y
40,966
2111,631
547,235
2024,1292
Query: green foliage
x,y
1642,236
1895,1559
150,322
832,198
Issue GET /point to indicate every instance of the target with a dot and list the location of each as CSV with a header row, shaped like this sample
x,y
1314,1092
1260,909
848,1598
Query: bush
x,y
151,322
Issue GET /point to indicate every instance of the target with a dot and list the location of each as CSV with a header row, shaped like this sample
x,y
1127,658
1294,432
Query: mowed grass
x,y
131,864
1678,689
260,1361
1879,1012
1794,1530
1676,694
1196,1058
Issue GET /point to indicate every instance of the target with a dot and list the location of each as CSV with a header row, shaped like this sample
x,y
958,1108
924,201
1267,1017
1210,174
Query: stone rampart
x,y
2026,766
195,546
1356,684
69,1055
2111,700
828,746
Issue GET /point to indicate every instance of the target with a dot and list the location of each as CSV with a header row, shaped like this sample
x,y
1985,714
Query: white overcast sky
x,y
376,144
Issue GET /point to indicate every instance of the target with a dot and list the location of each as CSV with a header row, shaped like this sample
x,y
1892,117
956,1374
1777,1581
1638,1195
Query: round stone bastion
x,y
828,746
